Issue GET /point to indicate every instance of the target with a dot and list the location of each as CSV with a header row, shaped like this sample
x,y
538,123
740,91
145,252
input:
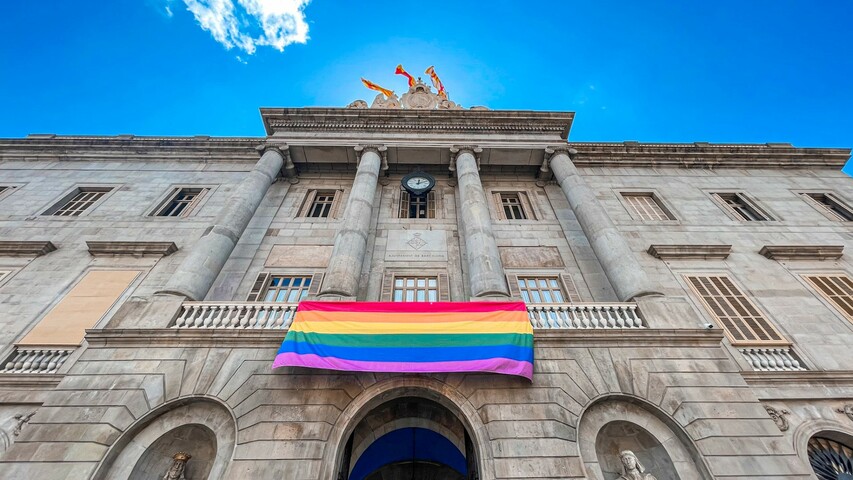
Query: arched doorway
x,y
409,438
830,455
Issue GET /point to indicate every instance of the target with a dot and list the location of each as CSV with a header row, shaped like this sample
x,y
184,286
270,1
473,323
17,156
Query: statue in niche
x,y
178,467
632,469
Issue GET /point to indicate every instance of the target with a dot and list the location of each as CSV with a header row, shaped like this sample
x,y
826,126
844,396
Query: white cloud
x,y
248,24
169,12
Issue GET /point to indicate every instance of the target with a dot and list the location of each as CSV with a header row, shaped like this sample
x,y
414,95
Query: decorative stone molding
x,y
137,249
846,410
778,416
690,252
21,419
802,252
25,249
288,170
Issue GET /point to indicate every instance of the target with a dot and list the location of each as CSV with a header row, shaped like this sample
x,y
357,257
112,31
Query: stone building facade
x,y
691,303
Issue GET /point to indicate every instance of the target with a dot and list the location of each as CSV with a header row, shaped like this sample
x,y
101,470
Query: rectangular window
x,y
830,205
287,288
417,206
415,289
540,289
644,206
741,320
320,204
181,202
741,208
6,189
3,275
78,201
837,289
513,206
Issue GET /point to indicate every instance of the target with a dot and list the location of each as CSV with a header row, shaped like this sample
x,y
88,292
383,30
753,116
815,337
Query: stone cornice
x,y
804,378
34,381
706,155
137,249
12,248
802,252
612,338
504,122
690,252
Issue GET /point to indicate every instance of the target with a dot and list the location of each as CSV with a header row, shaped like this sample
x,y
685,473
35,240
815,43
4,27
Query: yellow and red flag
x,y
373,86
401,71
436,82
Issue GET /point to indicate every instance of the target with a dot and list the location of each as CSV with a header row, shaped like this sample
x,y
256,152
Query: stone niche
x,y
196,440
612,425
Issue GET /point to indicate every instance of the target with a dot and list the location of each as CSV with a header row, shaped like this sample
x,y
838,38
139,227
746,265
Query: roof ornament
x,y
419,96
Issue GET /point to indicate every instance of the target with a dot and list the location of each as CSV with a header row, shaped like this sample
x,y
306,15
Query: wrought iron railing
x,y
278,316
36,360
772,359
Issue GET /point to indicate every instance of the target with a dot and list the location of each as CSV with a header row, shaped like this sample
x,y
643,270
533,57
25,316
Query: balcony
x,y
772,359
278,316
30,360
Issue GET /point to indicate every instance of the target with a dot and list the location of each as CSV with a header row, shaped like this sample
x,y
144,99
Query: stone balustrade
x,y
232,315
772,359
36,360
278,316
585,316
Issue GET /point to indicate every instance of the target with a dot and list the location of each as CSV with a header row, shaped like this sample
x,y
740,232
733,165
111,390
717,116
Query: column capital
x,y
455,150
380,150
283,149
554,149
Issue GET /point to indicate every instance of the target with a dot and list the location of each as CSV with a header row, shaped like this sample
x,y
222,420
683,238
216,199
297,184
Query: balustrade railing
x,y
772,359
585,316
247,315
36,360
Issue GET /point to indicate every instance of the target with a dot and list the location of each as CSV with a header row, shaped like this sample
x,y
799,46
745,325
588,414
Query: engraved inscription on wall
x,y
416,246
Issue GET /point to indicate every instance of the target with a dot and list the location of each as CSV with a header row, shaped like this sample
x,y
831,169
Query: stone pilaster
x,y
615,256
485,271
199,270
344,270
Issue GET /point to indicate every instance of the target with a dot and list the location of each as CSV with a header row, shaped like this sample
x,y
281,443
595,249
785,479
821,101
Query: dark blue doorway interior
x,y
410,453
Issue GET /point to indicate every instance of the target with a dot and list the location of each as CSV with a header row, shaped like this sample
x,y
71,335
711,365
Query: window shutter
x,y
333,212
431,208
496,199
196,200
316,282
443,287
838,289
387,287
259,287
512,281
569,287
743,322
527,205
306,203
404,204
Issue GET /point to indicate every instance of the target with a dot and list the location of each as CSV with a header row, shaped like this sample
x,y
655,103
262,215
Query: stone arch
x,y
824,428
408,386
170,421
646,427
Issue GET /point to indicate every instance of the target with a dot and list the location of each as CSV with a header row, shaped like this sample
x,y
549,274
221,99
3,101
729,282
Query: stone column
x,y
344,270
485,271
199,270
627,277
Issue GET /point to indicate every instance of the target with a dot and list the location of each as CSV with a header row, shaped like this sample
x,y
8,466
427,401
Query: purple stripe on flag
x,y
497,365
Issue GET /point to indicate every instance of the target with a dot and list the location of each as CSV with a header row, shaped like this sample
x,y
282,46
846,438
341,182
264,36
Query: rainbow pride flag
x,y
411,337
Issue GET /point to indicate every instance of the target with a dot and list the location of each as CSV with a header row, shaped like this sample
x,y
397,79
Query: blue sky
x,y
674,71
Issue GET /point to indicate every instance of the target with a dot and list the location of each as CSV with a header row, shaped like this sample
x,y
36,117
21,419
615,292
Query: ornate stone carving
x,y
178,467
457,149
632,469
382,102
20,420
778,417
846,410
358,104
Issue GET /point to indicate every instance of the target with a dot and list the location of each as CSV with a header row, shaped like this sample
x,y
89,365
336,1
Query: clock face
x,y
418,183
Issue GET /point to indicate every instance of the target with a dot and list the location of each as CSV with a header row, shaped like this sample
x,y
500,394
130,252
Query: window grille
x,y
80,200
741,208
415,289
417,206
741,320
837,289
644,206
320,204
181,202
830,205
